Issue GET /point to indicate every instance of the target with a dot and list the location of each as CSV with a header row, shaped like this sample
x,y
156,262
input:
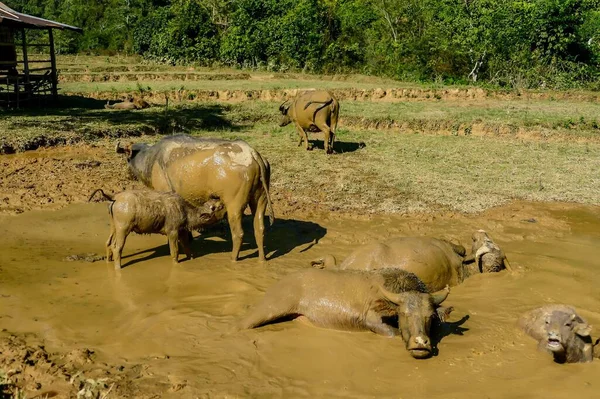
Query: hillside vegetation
x,y
505,43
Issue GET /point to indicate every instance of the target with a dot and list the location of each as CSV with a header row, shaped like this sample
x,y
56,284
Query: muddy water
x,y
176,319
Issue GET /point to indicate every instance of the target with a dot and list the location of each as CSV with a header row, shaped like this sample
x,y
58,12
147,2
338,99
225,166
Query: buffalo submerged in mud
x,y
146,212
354,300
435,261
560,331
199,168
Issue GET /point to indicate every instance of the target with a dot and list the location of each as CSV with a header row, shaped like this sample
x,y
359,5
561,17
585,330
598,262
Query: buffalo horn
x,y
440,296
281,108
391,296
484,249
507,265
118,148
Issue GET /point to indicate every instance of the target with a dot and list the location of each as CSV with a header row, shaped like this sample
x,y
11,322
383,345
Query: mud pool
x,y
176,319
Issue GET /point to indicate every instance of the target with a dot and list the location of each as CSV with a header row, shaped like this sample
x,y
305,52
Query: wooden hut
x,y
27,75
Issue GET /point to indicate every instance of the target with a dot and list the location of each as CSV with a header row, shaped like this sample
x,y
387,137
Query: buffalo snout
x,y
419,347
285,120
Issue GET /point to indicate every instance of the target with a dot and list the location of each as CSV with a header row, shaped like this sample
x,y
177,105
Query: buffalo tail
x,y
104,195
323,105
263,173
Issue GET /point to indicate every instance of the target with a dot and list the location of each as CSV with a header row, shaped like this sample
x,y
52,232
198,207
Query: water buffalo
x,y
147,212
198,168
356,301
560,331
436,262
314,111
128,104
487,254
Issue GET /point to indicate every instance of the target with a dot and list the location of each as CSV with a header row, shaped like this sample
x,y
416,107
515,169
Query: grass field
x,y
435,153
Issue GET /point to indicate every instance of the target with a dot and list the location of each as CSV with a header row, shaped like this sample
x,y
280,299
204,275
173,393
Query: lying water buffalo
x,y
356,300
560,331
128,104
314,111
198,168
146,212
436,262
487,254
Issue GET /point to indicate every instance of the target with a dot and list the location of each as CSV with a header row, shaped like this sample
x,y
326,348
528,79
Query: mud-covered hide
x,y
202,168
560,331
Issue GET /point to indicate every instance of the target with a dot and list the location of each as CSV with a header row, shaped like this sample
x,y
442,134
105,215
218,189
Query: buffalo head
x,y
285,118
564,331
416,311
130,150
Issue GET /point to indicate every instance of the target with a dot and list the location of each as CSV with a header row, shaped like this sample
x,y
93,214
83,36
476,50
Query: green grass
x,y
421,155
85,119
394,173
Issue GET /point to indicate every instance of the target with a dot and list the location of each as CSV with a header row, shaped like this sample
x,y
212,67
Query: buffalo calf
x,y
560,331
146,212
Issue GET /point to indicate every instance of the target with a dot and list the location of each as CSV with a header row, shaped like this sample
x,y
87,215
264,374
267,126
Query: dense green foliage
x,y
524,43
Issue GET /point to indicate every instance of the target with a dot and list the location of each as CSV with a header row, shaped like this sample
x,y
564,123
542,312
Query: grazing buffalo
x,y
200,168
313,111
147,212
560,331
436,262
356,300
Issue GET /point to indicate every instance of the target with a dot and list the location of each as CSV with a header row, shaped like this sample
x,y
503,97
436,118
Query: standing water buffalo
x,y
560,331
313,111
356,300
146,212
199,168
436,262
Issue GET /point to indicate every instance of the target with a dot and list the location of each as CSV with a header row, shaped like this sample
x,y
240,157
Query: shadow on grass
x,y
339,146
280,239
89,115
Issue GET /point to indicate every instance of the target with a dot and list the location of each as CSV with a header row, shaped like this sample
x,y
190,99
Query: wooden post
x,y
25,59
25,67
53,62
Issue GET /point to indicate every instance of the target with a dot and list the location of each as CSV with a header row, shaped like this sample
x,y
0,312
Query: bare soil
x,y
28,369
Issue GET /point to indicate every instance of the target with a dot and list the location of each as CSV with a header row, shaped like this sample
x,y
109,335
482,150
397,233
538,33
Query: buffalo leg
x,y
327,137
237,233
118,244
174,246
109,244
184,240
258,210
303,136
375,324
270,309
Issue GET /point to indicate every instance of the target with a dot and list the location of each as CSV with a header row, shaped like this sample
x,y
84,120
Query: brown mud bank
x,y
342,94
149,76
172,324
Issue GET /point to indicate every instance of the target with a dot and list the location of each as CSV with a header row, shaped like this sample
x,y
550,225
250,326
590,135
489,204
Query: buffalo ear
x,y
439,297
583,330
128,150
443,312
